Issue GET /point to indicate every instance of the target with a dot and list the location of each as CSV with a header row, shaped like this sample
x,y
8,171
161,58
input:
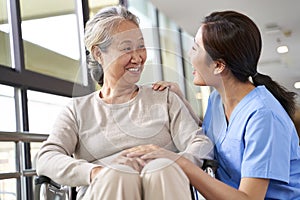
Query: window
x,y
43,110
96,5
7,107
49,59
7,164
7,157
51,39
8,189
5,59
171,51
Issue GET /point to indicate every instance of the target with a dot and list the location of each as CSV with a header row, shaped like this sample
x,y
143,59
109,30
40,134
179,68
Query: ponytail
x,y
286,98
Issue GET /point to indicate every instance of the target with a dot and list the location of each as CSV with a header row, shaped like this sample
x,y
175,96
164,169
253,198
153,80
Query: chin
x,y
199,83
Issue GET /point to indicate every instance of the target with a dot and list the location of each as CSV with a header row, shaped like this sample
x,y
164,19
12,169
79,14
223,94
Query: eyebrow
x,y
125,41
129,41
141,39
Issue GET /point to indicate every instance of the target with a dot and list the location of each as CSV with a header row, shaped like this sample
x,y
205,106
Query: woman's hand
x,y
140,151
94,172
151,152
134,162
162,85
161,153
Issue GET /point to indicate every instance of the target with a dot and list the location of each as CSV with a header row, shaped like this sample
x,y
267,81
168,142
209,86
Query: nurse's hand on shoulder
x,y
162,85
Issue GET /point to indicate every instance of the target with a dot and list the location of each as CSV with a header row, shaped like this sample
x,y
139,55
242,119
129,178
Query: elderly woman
x,y
93,135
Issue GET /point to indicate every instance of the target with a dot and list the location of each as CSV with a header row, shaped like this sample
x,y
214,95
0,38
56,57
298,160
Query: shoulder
x,y
84,101
147,91
265,102
264,109
157,96
87,97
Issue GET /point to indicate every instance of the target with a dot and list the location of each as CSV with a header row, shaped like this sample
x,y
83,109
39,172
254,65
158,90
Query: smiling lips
x,y
134,69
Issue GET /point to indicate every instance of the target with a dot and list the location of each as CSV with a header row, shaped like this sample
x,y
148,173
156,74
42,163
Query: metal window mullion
x,y
80,24
21,184
82,16
15,35
182,78
18,169
160,72
18,148
26,162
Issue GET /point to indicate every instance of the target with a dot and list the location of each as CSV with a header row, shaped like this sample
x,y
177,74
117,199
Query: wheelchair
x,y
47,189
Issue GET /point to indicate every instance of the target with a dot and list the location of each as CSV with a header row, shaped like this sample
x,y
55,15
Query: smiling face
x,y
123,62
204,66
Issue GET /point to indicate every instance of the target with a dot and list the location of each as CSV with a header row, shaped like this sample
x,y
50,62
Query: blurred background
x,y
43,63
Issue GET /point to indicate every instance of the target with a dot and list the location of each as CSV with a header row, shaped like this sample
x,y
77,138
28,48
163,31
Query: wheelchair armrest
x,y
210,167
44,179
210,163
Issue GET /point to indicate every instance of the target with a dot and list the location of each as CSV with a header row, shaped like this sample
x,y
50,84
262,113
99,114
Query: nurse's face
x,y
202,63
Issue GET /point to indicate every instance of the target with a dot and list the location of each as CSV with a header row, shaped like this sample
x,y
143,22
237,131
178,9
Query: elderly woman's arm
x,y
186,133
55,156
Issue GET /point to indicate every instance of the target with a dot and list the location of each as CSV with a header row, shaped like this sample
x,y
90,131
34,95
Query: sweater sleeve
x,y
55,156
186,133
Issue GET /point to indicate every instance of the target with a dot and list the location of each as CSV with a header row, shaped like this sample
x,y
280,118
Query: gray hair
x,y
99,31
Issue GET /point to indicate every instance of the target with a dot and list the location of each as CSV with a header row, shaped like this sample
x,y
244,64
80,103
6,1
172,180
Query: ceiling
x,y
279,22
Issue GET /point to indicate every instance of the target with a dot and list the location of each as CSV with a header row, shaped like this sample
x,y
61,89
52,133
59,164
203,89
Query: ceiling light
x,y
297,85
282,49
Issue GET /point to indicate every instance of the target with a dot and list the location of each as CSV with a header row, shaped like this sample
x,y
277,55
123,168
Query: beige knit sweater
x,y
93,133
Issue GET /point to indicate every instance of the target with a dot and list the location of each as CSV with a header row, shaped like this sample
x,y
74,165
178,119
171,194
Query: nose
x,y
136,56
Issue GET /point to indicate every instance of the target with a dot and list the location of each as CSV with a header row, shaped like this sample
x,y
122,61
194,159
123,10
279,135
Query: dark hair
x,y
236,40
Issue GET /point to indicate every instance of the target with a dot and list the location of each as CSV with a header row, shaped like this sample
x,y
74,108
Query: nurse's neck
x,y
232,94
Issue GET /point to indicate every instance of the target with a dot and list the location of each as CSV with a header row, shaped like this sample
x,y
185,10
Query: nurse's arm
x,y
211,188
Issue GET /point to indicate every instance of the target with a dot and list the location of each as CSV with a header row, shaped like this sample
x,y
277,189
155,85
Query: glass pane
x,y
43,109
7,107
145,11
34,148
51,38
96,5
7,157
8,189
5,59
170,49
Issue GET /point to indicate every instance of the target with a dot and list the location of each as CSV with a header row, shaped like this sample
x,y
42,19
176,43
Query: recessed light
x,y
282,49
297,85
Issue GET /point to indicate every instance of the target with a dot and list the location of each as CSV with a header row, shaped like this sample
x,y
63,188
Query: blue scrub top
x,y
259,141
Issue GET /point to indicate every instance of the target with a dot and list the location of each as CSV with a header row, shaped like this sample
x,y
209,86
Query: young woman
x,y
248,116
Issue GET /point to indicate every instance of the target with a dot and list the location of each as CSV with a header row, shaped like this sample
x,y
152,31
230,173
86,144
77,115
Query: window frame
x,y
18,76
22,80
